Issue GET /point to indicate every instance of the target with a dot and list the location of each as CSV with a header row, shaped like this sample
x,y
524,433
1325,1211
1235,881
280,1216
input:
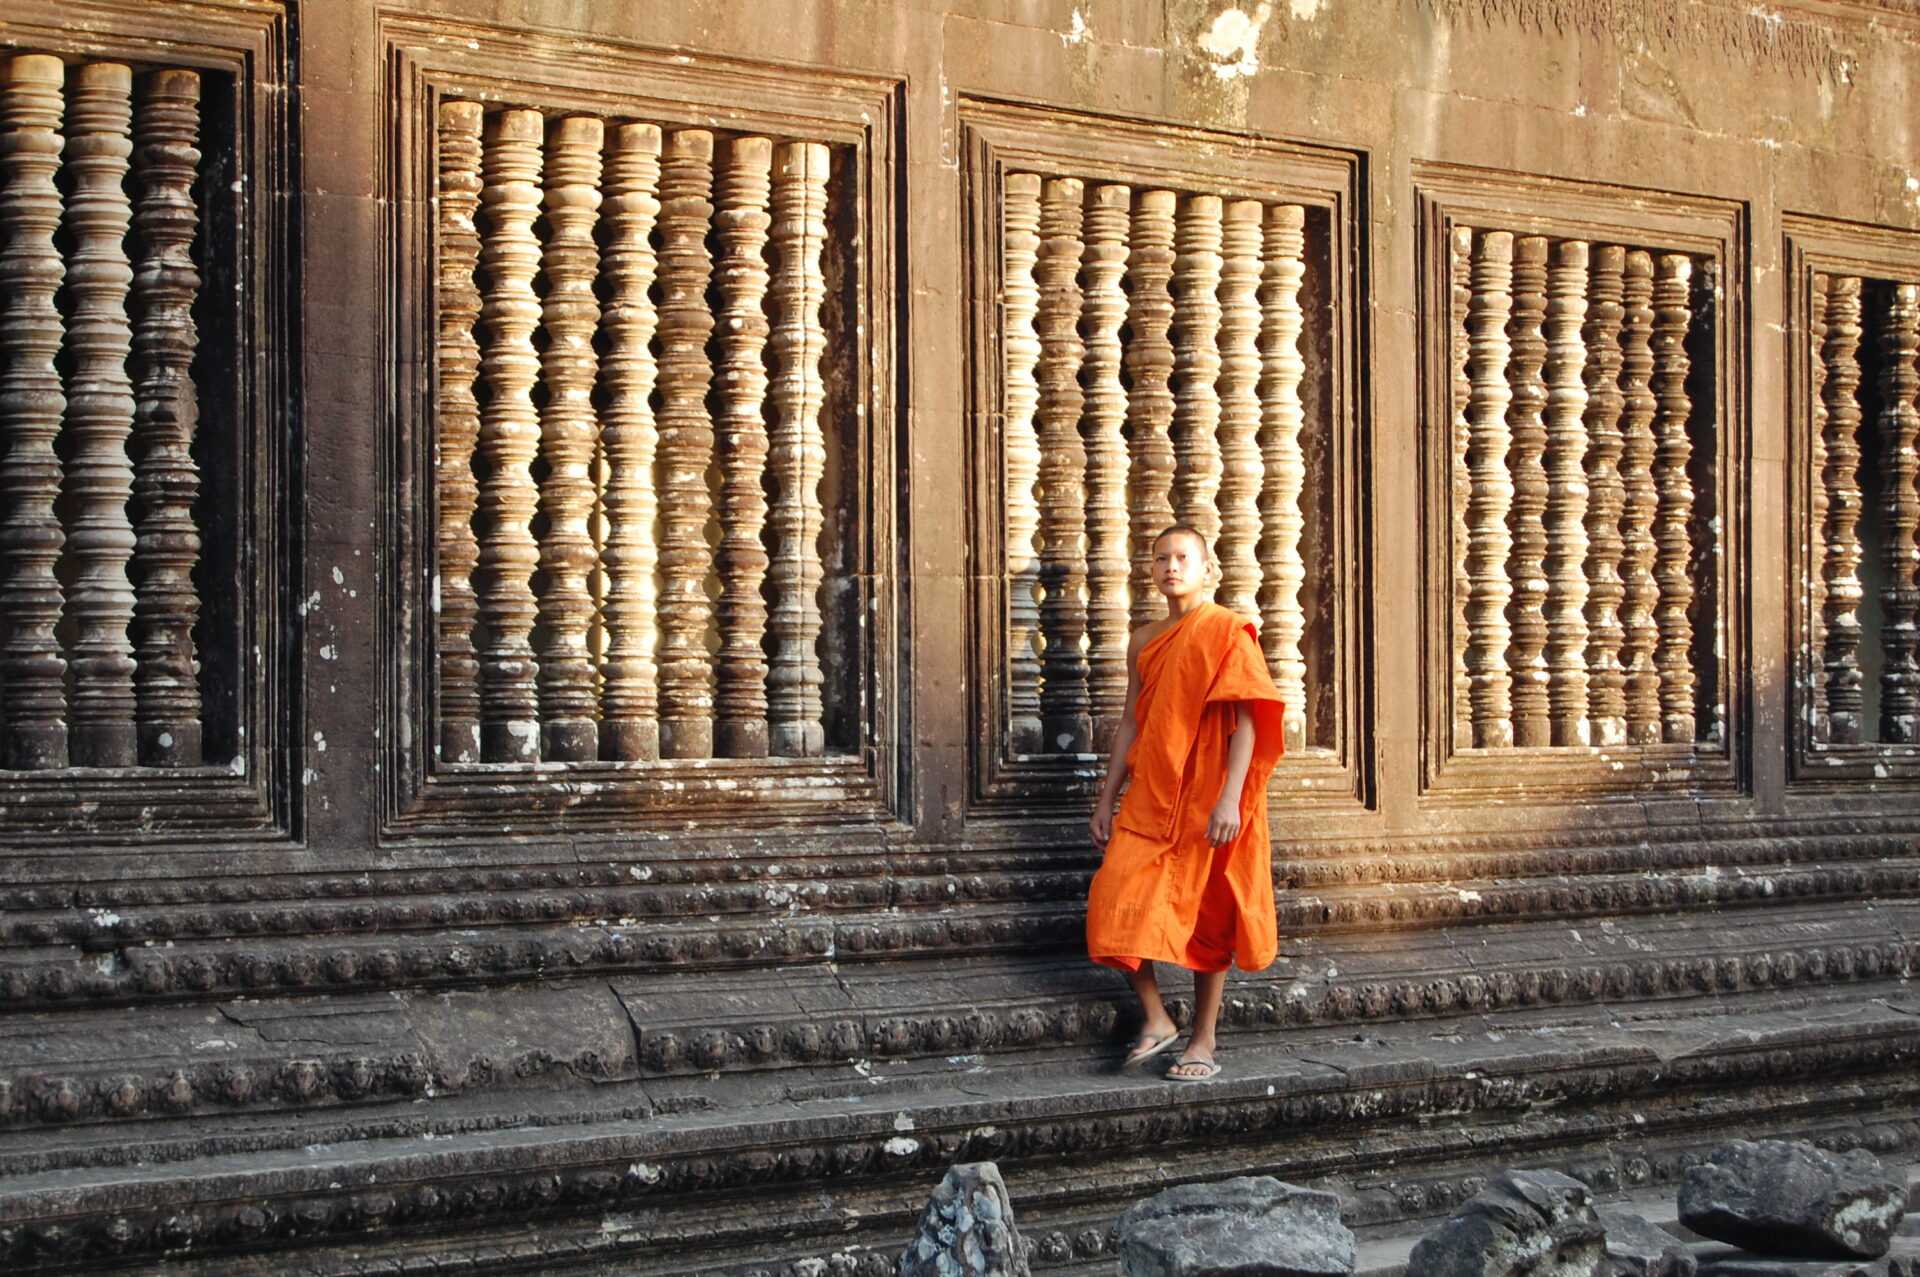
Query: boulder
x,y
967,1229
1253,1226
1636,1248
1793,1200
1716,1260
1536,1223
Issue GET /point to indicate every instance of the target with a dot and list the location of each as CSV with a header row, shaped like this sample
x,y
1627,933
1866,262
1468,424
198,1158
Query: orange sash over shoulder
x,y
1164,893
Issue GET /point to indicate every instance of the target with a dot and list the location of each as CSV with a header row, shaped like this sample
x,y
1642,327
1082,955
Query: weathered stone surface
x,y
1791,1199
967,1229
1538,1223
1637,1248
1254,1226
1716,1260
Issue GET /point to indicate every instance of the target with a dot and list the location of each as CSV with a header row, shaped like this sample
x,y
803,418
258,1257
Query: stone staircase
x,y
634,1120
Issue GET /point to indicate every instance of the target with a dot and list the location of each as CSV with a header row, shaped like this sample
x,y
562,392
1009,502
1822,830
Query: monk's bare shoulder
x,y
1145,634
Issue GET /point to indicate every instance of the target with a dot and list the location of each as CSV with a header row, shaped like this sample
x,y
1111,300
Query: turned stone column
x,y
1526,564
32,669
166,416
99,418
1150,403
1489,441
1102,315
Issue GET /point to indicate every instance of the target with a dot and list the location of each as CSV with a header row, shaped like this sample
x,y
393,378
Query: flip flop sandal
x,y
1150,1048
1212,1071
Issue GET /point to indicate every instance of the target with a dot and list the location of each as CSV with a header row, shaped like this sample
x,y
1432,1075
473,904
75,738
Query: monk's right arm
x,y
1101,825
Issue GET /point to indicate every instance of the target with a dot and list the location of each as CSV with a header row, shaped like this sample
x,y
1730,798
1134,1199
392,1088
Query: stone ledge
x,y
1328,1104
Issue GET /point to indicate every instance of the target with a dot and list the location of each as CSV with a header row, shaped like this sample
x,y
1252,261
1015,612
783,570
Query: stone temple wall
x,y
564,572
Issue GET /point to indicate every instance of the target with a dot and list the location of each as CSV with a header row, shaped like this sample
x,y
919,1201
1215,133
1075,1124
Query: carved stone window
x,y
1854,335
139,303
1576,367
1162,334
645,523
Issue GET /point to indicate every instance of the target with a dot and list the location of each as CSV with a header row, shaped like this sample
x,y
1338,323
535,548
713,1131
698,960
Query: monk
x,y
1186,874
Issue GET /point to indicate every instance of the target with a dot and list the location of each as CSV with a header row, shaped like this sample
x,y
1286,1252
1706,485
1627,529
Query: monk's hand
x,y
1100,825
1223,826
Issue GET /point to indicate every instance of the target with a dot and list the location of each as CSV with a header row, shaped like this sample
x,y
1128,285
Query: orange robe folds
x,y
1164,893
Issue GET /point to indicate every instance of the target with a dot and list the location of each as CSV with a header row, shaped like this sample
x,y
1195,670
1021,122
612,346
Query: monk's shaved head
x,y
1183,529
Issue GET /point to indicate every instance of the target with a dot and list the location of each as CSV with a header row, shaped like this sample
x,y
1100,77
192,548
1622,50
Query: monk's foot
x,y
1152,1041
1196,1064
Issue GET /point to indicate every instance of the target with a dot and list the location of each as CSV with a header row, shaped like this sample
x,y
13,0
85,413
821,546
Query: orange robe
x,y
1163,892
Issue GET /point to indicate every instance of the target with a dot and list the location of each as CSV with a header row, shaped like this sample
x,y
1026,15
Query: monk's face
x,y
1180,565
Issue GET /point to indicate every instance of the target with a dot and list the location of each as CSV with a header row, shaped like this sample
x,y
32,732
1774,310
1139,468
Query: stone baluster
x,y
1567,494
686,445
1814,670
1150,403
1672,315
99,419
457,356
1021,341
32,670
569,433
629,693
1606,498
1282,572
1065,724
1196,366
1526,563
1900,510
166,479
1488,540
1460,394
1108,562
1640,591
509,437
1841,567
742,220
1240,462
798,457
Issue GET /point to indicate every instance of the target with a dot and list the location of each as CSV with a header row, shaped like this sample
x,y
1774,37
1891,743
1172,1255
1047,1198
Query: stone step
x,y
853,1160
806,1024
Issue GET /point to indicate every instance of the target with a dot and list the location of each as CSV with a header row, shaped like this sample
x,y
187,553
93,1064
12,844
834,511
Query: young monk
x,y
1186,877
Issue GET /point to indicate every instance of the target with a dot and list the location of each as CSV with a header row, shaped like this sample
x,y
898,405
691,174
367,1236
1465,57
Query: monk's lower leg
x,y
1208,989
1155,1021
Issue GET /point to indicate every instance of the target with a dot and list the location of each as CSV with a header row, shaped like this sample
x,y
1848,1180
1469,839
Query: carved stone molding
x,y
1564,337
1230,310
693,281
156,725
1850,342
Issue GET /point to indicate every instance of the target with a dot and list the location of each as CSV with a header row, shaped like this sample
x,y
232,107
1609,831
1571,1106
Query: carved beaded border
x,y
1000,137
420,801
1451,196
1812,247
307,1213
251,798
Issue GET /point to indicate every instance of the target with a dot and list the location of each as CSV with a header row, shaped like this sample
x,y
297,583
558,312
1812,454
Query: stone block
x,y
1537,1223
967,1229
1775,1197
1253,1226
1637,1248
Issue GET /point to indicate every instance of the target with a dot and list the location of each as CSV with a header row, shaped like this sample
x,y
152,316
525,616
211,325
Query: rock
x,y
1716,1260
1536,1223
1254,1226
967,1229
1793,1200
1636,1248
